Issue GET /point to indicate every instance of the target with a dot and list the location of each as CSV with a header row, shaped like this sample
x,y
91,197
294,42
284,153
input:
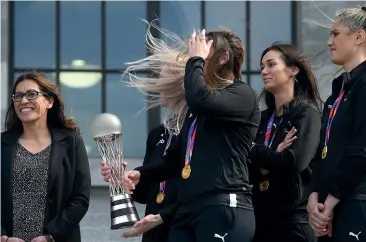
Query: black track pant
x,y
282,226
214,224
349,222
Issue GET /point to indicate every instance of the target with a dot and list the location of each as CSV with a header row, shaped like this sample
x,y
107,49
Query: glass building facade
x,y
83,47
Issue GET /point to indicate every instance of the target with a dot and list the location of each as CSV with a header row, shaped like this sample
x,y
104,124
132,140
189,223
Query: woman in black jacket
x,y
45,177
337,206
286,142
210,155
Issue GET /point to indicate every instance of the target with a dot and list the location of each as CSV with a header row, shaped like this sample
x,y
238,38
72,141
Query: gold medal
x,y
186,172
160,197
324,152
264,185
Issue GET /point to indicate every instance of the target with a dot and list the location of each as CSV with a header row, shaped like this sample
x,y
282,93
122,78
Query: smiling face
x,y
30,103
274,72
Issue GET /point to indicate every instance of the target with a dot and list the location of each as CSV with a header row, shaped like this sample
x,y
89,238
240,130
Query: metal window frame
x,y
153,12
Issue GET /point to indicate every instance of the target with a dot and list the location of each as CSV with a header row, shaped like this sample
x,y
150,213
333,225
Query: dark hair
x,y
225,40
305,89
55,115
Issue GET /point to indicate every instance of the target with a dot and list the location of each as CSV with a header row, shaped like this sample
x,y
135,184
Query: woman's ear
x,y
224,58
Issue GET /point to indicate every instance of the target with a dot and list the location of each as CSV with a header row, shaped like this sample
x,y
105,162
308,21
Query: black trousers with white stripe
x,y
349,222
214,224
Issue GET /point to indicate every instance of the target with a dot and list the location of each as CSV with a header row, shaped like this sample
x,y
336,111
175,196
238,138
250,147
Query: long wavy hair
x,y
55,116
305,85
169,52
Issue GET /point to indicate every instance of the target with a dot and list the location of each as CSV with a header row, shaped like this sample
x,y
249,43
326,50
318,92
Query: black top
x,y
290,170
147,191
343,172
68,185
227,122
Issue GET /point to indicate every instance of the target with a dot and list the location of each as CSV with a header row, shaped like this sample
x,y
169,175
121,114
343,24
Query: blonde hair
x,y
353,18
170,53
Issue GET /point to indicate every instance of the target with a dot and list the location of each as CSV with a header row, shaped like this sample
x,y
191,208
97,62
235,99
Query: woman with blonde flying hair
x,y
337,206
165,87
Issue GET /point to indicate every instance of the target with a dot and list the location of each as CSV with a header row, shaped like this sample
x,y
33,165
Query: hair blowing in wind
x,y
170,53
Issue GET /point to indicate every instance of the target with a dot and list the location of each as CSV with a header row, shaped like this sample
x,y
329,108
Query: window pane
x,y
233,18
256,83
125,32
189,17
80,33
126,103
34,34
82,103
276,17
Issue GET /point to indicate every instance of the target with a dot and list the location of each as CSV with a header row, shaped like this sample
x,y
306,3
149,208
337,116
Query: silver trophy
x,y
106,130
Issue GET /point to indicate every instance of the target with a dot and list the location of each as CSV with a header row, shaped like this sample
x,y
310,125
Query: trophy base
x,y
123,212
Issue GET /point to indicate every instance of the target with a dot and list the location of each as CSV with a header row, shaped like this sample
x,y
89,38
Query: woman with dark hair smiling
x,y
45,177
286,142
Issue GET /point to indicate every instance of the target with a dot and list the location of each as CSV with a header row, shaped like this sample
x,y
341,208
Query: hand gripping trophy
x,y
106,130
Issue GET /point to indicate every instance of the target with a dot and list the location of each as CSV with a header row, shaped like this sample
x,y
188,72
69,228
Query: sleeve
x,y
234,102
165,168
316,162
78,205
352,168
141,192
298,156
167,214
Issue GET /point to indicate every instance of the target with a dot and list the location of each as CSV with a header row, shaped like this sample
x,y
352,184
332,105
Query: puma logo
x,y
220,237
355,235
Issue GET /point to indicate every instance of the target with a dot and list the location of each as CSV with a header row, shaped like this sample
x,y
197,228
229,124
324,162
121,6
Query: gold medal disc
x,y
160,197
186,172
324,152
264,185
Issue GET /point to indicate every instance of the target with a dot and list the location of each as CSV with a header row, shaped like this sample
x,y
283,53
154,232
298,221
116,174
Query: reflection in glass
x,y
83,104
180,17
235,20
80,79
276,17
127,103
125,32
80,33
34,34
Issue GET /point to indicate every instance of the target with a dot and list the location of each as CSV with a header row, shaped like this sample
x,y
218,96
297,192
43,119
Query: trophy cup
x,y
106,129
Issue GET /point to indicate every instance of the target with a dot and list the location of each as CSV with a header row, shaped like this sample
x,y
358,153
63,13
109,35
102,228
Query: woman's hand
x,y
130,180
319,220
198,46
144,225
10,239
40,239
287,142
106,170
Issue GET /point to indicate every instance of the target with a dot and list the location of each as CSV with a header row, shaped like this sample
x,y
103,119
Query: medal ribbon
x,y
190,142
163,184
267,138
331,116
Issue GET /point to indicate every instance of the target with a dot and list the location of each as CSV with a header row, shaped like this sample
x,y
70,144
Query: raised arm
x,y
234,102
